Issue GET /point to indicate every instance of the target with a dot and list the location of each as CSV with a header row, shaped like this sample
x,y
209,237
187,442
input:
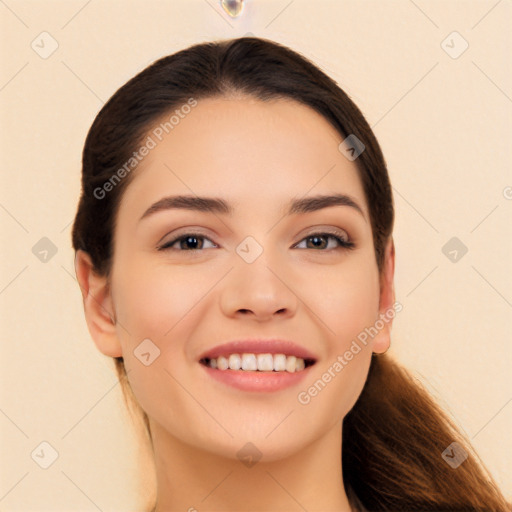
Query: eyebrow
x,y
220,206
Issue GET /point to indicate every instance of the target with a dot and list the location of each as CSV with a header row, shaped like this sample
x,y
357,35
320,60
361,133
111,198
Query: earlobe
x,y
98,306
382,340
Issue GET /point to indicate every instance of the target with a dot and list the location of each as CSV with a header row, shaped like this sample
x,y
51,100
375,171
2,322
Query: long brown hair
x,y
395,434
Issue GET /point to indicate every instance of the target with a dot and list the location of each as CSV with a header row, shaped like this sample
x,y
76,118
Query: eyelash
x,y
343,244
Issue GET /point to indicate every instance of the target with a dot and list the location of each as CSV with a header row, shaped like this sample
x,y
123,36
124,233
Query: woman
x,y
235,255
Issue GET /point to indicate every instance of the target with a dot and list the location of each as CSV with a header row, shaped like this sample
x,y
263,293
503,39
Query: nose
x,y
259,292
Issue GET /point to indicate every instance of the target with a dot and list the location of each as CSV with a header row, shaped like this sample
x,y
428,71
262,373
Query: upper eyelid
x,y
333,232
314,230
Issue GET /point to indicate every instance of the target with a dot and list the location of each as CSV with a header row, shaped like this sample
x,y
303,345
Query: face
x,y
190,280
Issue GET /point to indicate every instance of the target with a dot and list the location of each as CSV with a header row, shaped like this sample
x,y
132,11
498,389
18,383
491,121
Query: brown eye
x,y
188,242
321,241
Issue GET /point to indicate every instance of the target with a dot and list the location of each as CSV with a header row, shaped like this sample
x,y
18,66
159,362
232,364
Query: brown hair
x,y
395,434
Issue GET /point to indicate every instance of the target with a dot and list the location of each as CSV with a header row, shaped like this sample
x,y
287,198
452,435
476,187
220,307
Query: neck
x,y
189,479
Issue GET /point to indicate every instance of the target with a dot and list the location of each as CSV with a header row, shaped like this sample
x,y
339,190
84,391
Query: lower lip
x,y
257,381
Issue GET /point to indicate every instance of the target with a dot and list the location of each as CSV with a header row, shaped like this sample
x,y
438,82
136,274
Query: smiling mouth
x,y
263,363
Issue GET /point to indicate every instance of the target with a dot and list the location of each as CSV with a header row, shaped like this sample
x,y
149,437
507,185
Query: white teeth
x,y
234,362
290,363
222,363
258,362
279,362
265,362
249,362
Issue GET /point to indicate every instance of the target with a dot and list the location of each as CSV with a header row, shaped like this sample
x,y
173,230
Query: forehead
x,y
245,149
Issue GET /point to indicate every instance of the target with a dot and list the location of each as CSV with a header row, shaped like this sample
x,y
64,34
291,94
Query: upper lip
x,y
258,346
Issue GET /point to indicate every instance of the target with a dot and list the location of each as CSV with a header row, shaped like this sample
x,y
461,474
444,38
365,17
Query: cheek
x,y
346,305
345,301
151,300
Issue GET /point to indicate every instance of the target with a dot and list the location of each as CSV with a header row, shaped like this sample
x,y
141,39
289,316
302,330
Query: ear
x,y
382,340
98,306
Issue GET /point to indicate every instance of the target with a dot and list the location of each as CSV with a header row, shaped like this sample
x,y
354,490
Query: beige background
x,y
444,125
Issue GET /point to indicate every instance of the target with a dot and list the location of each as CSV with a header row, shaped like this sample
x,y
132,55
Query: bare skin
x,y
257,156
